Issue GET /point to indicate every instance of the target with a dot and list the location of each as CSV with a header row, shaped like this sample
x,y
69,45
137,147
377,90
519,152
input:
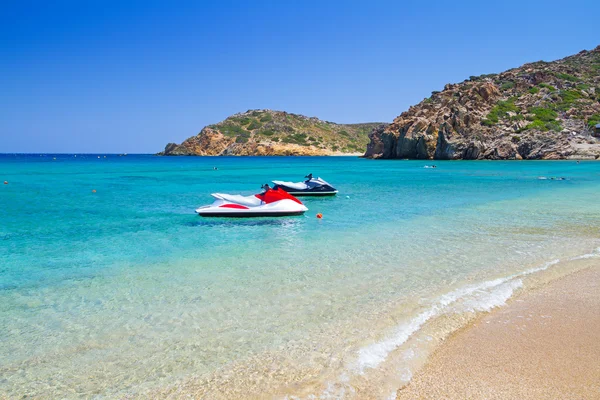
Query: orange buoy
x,y
93,190
319,215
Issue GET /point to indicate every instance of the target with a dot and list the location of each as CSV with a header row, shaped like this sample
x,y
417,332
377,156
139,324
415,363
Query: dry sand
x,y
543,345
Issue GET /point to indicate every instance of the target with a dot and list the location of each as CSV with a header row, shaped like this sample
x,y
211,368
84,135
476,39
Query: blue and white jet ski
x,y
310,187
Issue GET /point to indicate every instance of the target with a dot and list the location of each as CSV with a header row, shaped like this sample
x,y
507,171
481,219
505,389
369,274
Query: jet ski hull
x,y
250,214
309,192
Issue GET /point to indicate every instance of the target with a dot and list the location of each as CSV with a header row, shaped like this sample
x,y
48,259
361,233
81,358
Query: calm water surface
x,y
125,292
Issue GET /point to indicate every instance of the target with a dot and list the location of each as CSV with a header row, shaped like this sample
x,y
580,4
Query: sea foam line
x,y
595,253
373,355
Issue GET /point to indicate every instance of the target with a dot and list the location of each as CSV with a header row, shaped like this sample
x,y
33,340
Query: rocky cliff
x,y
542,110
267,132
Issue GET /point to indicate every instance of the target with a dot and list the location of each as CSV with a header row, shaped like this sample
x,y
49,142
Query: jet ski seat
x,y
292,185
250,201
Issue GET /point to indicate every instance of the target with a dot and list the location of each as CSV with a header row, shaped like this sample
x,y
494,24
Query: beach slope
x,y
543,345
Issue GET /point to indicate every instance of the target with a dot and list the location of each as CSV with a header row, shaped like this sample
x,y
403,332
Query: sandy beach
x,y
543,345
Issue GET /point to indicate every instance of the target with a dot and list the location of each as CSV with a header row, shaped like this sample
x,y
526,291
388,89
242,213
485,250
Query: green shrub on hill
x,y
593,120
542,114
543,119
254,124
243,137
568,97
232,130
241,120
518,117
549,87
266,132
567,77
544,126
500,110
583,86
541,125
266,118
296,138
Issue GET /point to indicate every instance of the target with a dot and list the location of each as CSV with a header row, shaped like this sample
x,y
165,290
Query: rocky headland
x,y
274,133
541,110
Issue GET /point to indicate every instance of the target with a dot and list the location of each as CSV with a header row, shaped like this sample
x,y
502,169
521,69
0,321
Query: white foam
x,y
335,392
471,298
485,301
538,269
406,375
373,355
594,254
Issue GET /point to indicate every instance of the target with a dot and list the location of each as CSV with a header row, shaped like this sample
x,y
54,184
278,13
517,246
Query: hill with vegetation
x,y
267,132
541,110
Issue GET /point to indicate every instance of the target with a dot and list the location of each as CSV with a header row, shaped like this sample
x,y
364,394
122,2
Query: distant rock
x,y
542,110
274,133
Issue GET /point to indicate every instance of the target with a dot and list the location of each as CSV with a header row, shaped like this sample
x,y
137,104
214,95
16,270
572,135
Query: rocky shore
x,y
542,110
274,133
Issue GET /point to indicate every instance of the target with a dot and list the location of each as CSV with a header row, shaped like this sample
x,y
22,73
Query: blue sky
x,y
130,76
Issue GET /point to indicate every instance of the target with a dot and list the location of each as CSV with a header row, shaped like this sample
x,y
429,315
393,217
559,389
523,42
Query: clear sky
x,y
130,76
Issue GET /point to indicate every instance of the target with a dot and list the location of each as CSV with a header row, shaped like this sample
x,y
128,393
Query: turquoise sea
x,y
126,293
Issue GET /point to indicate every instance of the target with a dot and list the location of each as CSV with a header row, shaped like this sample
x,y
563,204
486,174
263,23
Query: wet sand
x,y
545,344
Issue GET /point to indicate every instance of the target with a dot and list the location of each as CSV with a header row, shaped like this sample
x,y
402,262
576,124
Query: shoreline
x,y
411,381
542,344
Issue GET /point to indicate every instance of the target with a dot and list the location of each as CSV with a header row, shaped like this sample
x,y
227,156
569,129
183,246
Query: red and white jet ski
x,y
270,203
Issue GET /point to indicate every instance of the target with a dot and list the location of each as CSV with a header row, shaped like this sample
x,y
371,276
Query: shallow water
x,y
126,292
